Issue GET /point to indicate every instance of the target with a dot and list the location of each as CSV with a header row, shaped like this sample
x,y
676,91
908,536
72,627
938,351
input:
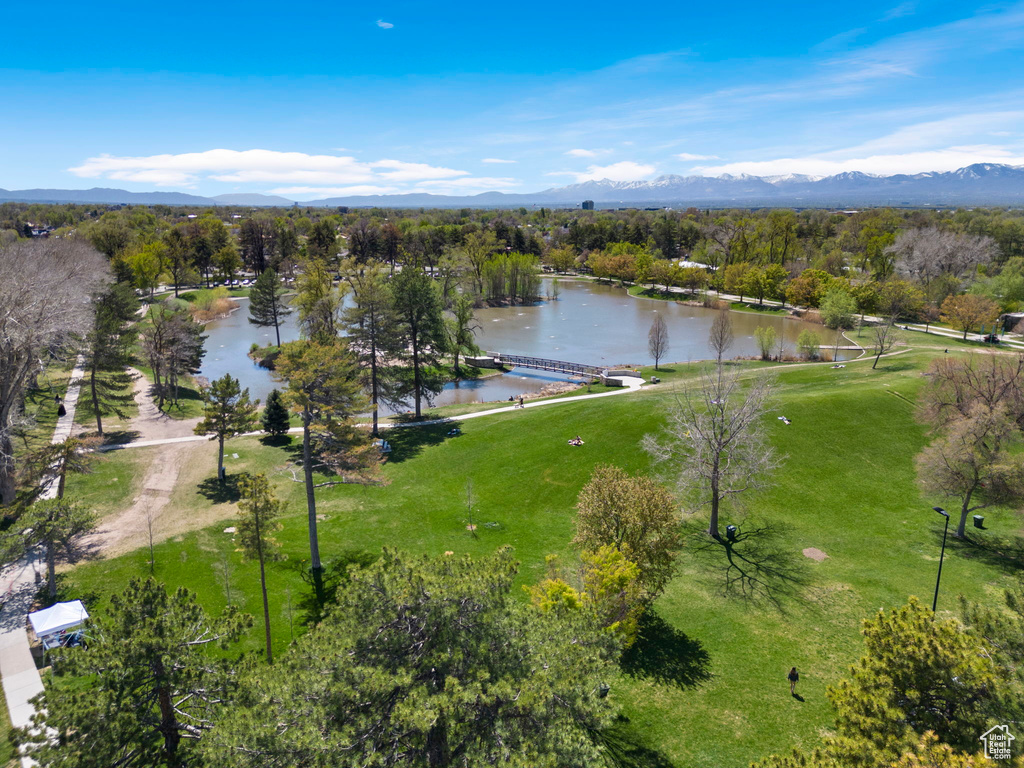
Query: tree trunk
x,y
416,373
168,722
314,542
263,586
7,487
220,457
438,750
876,361
95,398
374,394
713,523
961,529
51,570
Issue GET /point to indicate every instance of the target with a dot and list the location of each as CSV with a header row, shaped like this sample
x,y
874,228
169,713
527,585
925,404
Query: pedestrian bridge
x,y
502,360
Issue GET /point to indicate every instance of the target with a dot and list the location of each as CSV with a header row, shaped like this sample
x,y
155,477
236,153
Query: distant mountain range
x,y
979,184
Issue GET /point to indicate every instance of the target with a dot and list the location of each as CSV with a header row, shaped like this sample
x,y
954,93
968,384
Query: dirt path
x,y
150,423
129,529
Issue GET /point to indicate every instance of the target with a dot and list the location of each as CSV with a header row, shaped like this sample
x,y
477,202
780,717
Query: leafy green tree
x,y
227,262
275,415
227,412
267,307
1002,629
429,662
323,387
146,690
636,516
969,311
461,327
109,350
370,325
323,240
421,329
319,304
808,343
179,259
53,524
838,308
765,337
147,264
112,235
258,511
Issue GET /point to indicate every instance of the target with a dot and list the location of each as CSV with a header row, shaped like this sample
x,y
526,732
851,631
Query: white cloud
x,y
496,160
688,156
948,159
254,166
627,170
581,153
384,24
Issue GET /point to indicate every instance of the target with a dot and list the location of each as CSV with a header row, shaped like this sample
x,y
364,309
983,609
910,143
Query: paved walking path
x,y
21,681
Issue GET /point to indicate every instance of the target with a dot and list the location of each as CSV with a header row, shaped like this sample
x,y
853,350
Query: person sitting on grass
x,y
576,440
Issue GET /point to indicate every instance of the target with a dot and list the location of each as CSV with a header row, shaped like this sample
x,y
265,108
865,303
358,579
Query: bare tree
x,y
44,308
720,337
928,253
714,440
657,339
956,384
885,335
974,462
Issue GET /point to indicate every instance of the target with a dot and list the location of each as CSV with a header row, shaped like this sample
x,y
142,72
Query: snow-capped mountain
x,y
979,184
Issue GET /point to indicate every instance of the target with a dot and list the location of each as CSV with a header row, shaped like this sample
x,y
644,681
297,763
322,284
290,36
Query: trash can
x,y
730,532
979,521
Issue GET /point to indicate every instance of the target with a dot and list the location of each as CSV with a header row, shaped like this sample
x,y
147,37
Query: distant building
x,y
588,205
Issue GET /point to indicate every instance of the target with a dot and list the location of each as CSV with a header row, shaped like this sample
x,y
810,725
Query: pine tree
x,y
421,328
257,520
275,415
323,386
267,307
110,349
370,325
145,691
53,524
227,412
429,662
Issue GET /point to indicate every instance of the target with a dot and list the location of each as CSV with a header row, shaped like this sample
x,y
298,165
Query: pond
x,y
587,323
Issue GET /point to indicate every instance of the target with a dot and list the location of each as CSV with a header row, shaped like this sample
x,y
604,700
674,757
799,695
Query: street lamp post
x,y
945,514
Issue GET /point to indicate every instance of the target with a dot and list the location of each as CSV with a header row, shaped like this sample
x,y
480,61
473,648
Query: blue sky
x,y
314,99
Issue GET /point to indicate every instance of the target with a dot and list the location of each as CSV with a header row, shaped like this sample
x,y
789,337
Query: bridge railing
x,y
545,364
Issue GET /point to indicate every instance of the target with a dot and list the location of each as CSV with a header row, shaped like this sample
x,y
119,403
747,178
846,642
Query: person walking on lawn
x,y
794,678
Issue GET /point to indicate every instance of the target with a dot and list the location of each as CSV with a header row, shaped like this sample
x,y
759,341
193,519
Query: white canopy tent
x,y
53,620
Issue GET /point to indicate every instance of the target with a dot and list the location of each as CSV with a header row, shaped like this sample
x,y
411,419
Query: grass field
x,y
705,686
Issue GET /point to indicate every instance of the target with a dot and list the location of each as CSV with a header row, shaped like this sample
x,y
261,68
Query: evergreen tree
x,y
421,329
144,691
370,325
275,415
258,512
109,350
53,524
323,386
267,306
430,662
227,412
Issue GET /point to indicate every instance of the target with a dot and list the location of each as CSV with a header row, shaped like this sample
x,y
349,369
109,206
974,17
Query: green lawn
x,y
705,686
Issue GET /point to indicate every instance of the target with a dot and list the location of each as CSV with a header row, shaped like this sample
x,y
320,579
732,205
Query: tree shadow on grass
x,y
758,566
408,442
277,441
1003,552
335,574
626,748
664,654
227,492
